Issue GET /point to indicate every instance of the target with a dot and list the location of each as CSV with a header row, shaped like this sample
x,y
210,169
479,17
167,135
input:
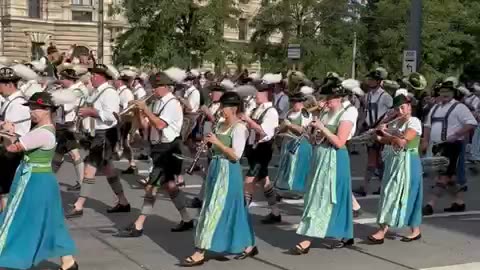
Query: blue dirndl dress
x,y
294,166
402,187
328,200
224,225
33,227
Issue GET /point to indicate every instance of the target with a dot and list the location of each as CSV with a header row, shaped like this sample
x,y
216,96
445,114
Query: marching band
x,y
49,110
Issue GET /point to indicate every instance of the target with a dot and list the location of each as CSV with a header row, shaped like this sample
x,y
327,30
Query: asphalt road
x,y
450,242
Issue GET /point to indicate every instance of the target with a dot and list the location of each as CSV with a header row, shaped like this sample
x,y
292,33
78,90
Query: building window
x,y
82,2
81,16
34,8
37,51
242,29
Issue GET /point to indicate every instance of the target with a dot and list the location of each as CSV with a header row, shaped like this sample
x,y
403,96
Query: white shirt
x,y
170,111
139,92
193,96
126,96
412,123
280,100
458,118
472,101
269,122
38,138
67,112
29,88
239,137
107,104
208,125
385,102
350,115
14,111
291,116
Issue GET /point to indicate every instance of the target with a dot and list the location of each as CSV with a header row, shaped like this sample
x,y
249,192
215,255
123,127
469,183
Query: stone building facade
x,y
28,27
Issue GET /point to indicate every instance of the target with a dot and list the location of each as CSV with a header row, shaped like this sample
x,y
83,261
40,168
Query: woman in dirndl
x,y
224,224
402,187
33,228
295,153
328,202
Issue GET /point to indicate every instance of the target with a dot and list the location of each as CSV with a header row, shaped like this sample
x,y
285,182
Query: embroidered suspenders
x,y
443,120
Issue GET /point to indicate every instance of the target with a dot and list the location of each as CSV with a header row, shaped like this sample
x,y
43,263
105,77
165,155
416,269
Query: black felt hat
x,y
334,91
8,75
375,75
400,100
70,74
230,99
160,79
297,97
101,69
41,99
216,88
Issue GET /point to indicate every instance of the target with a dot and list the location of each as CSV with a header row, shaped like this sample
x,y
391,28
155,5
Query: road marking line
x,y
467,266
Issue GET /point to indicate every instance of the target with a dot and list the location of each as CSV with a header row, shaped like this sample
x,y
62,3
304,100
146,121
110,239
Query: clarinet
x,y
202,148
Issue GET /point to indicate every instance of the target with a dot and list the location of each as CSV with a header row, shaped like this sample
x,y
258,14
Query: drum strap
x,y
443,120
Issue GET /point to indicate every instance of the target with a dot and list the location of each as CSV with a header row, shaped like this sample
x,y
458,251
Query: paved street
x,y
450,242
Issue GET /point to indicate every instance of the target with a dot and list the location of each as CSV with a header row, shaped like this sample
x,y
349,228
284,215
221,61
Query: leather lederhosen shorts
x,y
165,165
258,159
102,147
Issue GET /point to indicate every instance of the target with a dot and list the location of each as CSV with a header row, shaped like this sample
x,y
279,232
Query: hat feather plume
x,y
176,74
462,89
38,66
113,71
306,90
245,90
65,96
353,86
228,84
26,73
271,78
401,91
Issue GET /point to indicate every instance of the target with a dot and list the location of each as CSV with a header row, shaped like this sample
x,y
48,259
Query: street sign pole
x,y
415,30
294,53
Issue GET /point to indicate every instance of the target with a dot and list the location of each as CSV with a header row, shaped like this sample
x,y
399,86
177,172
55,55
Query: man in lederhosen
x,y
211,116
137,87
164,122
105,104
445,128
377,103
14,119
126,96
67,121
259,150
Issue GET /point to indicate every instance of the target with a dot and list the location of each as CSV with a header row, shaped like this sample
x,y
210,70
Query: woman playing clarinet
x,y
401,196
328,201
33,228
224,225
296,153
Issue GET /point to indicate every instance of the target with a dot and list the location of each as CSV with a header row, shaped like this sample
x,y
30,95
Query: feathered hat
x,y
353,86
177,75
24,72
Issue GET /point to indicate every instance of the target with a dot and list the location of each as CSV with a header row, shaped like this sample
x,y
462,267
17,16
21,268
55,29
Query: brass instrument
x,y
131,107
369,135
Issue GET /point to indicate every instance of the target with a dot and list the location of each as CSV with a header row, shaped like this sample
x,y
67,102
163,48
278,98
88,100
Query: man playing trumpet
x,y
164,123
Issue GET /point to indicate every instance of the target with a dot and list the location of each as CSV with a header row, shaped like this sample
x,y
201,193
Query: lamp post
x,y
100,32
415,30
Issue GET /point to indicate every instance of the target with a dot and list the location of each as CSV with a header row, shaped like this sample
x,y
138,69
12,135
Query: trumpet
x,y
133,106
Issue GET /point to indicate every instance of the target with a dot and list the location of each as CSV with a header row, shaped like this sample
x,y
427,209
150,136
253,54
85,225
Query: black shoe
x,y
299,250
74,213
76,187
244,255
407,240
378,192
375,241
183,226
129,232
73,267
427,210
357,213
360,192
354,152
130,170
119,209
272,219
190,262
342,244
455,208
195,203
